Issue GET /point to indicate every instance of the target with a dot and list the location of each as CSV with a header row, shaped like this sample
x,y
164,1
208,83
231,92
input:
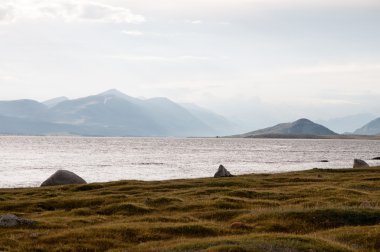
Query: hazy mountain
x,y
52,102
110,113
221,124
117,114
118,94
23,109
175,119
20,126
347,123
299,127
371,128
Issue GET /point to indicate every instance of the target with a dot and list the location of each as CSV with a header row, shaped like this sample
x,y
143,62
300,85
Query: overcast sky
x,y
280,59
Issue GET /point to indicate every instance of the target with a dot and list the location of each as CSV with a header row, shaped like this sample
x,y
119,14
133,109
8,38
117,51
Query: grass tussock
x,y
316,210
124,209
162,201
311,220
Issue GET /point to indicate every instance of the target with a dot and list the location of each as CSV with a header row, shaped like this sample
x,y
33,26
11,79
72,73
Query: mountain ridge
x,y
110,113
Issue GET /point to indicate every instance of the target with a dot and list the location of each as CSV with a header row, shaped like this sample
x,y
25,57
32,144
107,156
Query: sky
x,y
257,61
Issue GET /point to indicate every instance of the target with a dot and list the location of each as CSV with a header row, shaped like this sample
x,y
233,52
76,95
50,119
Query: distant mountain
x,y
301,127
23,109
371,128
348,123
20,126
116,114
110,113
221,124
116,93
52,102
175,119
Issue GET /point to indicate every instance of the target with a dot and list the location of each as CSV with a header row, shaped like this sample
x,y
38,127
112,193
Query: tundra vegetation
x,y
314,210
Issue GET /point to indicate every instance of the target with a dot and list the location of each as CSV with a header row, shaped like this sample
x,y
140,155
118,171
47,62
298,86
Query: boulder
x,y
222,172
376,158
11,220
63,177
358,163
324,161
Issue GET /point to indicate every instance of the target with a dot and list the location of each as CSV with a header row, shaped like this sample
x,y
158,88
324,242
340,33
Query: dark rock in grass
x,y
11,220
63,177
358,163
222,172
376,158
324,161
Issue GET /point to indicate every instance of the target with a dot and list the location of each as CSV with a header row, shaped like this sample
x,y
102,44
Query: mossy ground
x,y
315,210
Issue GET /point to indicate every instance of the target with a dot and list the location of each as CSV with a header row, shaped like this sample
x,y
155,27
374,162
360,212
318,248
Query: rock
x,y
324,161
358,163
239,225
222,172
11,220
63,177
376,158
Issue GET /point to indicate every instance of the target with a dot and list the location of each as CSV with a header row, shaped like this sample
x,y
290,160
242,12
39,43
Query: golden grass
x,y
315,210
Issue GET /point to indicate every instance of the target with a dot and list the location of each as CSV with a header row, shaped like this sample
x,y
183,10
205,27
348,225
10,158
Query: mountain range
x,y
113,113
110,113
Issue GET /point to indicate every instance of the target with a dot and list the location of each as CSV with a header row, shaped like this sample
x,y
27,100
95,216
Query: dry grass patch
x,y
315,210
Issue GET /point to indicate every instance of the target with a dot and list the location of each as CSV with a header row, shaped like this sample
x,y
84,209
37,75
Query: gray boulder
x,y
222,172
358,163
63,177
11,220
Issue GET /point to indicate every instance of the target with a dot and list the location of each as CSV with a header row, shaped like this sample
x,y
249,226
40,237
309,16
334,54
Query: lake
x,y
28,161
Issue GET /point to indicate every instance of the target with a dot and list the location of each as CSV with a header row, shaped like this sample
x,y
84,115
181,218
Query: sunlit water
x,y
28,161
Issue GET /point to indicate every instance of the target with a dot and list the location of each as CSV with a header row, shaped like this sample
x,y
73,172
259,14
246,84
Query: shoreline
x,y
264,136
205,178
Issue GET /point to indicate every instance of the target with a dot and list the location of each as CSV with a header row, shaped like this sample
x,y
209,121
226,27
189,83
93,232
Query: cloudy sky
x,y
255,60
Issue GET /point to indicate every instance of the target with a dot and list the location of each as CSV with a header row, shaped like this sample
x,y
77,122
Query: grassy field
x,y
315,210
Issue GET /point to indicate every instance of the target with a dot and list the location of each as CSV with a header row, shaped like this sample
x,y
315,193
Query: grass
x,y
315,210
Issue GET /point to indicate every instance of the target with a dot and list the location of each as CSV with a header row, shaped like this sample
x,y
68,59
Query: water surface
x,y
28,161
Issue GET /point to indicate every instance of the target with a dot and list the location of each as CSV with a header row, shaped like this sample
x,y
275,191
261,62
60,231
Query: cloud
x,y
330,68
196,22
153,58
133,33
313,3
6,13
7,78
108,13
211,8
68,11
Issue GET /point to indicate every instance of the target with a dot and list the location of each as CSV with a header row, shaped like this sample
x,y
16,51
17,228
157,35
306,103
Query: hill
x,y
298,129
371,128
315,210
